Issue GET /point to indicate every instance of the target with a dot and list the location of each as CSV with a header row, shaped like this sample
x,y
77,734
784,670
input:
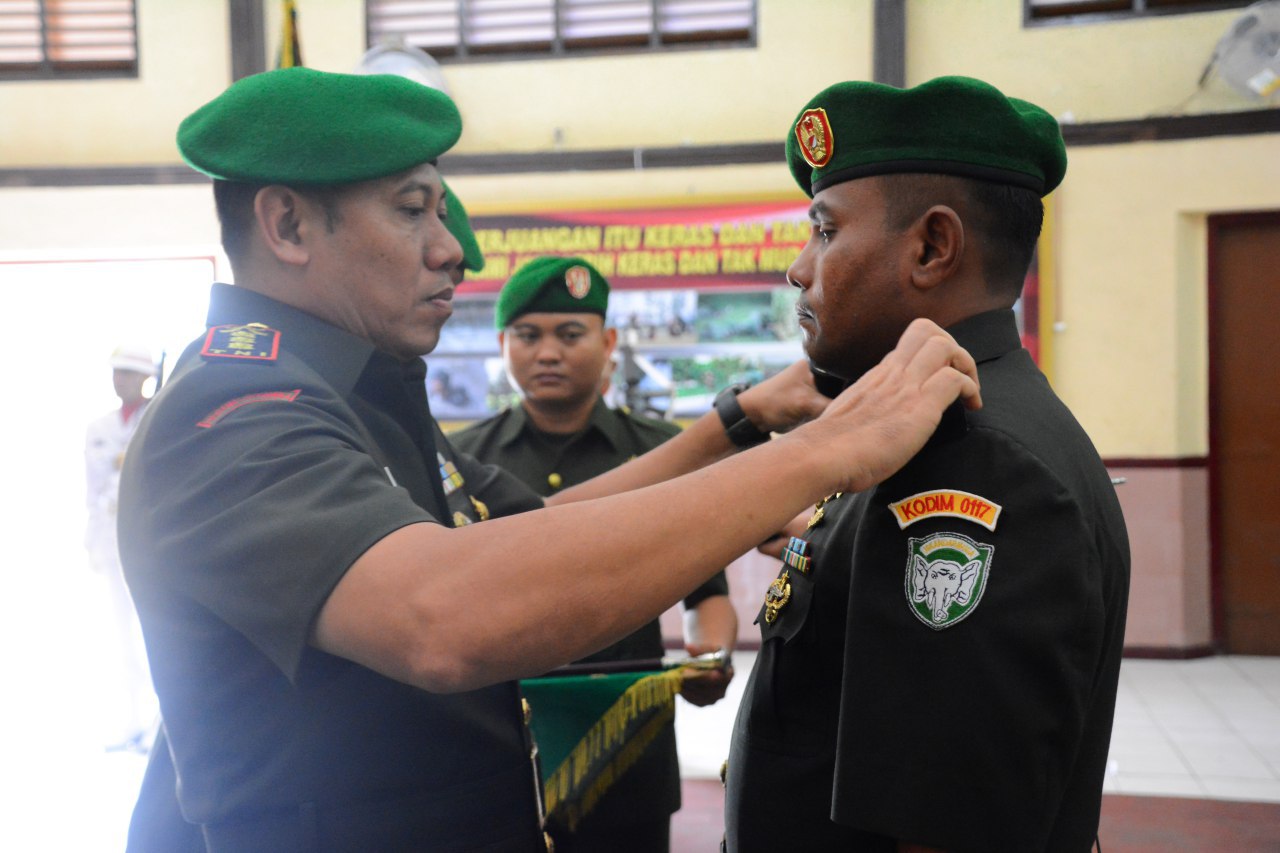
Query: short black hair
x,y
1008,218
233,201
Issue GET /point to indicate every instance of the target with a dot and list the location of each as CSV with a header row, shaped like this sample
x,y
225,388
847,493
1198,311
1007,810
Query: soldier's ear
x,y
938,245
279,213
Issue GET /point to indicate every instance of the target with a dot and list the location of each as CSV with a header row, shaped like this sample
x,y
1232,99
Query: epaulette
x,y
251,342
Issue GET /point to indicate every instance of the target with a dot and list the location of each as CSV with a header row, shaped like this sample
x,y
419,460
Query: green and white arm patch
x,y
946,576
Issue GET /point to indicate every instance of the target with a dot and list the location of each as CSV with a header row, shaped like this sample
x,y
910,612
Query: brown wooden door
x,y
1244,429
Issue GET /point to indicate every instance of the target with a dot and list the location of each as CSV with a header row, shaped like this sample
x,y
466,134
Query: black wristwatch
x,y
741,431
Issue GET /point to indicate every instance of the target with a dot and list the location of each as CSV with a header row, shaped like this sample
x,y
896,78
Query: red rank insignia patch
x,y
253,342
817,142
239,402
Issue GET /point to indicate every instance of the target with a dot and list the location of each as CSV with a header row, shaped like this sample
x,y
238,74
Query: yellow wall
x,y
1120,69
692,96
624,100
628,100
1132,360
184,60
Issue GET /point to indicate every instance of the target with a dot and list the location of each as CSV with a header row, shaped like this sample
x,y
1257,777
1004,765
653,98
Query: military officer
x,y
332,636
940,652
555,344
157,824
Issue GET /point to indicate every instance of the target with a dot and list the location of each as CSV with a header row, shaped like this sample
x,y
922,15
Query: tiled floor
x,y
1199,728
1206,728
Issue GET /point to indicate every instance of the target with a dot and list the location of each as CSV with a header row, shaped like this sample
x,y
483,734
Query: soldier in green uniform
x,y
939,653
332,637
556,346
157,824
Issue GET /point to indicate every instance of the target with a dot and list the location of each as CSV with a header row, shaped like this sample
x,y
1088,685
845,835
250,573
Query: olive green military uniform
x,y
282,449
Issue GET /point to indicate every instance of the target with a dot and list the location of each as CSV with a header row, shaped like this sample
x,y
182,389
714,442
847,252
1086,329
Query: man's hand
x,y
711,626
784,400
876,426
703,687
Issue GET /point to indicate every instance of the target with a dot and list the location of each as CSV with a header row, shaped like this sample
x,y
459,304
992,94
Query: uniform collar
x,y
339,356
602,419
988,335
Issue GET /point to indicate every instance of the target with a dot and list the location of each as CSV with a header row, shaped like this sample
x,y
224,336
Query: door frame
x,y
1214,223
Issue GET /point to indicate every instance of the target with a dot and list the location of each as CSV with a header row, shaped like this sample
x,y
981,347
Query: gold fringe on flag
x,y
580,781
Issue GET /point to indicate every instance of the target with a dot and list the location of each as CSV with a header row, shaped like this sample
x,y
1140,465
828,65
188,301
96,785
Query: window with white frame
x,y
1061,11
461,29
68,38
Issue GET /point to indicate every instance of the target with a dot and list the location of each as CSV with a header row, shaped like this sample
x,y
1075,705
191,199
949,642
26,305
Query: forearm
x,y
780,403
457,609
702,444
518,596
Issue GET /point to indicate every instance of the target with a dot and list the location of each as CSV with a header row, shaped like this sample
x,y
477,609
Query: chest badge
x,y
252,342
777,596
819,511
946,576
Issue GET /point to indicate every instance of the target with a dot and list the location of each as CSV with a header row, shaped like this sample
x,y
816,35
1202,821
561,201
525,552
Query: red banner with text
x,y
670,247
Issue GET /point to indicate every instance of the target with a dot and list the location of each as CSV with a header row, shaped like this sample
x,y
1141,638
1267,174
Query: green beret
x,y
553,285
460,227
949,126
299,125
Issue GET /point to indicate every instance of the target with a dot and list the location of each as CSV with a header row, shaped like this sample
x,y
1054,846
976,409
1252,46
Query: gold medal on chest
x,y
819,511
777,596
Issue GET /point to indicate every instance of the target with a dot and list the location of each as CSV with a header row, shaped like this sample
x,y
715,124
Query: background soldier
x,y
556,347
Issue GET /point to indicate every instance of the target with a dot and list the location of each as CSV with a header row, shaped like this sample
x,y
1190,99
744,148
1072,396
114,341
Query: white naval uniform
x,y
106,439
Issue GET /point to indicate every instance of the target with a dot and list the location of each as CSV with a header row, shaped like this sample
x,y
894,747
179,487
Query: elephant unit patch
x,y
946,577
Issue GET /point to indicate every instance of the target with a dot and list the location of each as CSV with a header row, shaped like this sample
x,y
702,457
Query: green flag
x,y
590,729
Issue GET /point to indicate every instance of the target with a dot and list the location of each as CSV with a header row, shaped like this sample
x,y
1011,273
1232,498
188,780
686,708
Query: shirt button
x,y
554,480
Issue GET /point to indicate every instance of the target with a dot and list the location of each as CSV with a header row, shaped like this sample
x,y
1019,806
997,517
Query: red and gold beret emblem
x,y
578,281
813,132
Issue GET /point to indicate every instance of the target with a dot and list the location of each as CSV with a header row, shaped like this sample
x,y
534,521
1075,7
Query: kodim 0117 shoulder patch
x,y
948,502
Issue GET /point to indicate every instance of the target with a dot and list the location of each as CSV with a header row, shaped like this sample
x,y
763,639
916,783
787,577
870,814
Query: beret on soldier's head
x,y
949,126
299,125
459,226
553,285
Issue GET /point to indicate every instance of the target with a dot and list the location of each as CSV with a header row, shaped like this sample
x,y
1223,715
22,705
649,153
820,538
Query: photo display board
x,y
698,295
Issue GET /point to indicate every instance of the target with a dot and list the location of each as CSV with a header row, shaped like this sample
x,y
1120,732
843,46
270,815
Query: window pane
x,y
603,18
1042,9
455,27
48,36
